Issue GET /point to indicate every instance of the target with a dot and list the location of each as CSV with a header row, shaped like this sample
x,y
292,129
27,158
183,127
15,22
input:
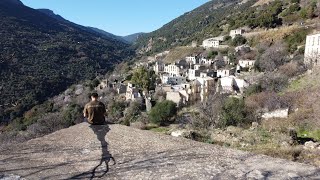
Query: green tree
x,y
238,40
72,115
212,54
162,112
233,112
145,79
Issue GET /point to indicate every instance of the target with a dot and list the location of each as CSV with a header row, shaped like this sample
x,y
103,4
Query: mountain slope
x,y
52,14
41,56
132,38
195,25
107,34
136,154
89,29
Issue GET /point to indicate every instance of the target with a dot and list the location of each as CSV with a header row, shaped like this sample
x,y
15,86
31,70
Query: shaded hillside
x,y
94,30
107,34
41,56
195,25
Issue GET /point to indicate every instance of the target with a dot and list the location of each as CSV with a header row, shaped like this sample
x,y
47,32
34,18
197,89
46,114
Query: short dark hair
x,y
95,95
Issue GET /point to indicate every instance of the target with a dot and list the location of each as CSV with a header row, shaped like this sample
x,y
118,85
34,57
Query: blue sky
x,y
120,17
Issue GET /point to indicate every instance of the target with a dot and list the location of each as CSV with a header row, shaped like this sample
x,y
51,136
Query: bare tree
x,y
273,57
208,112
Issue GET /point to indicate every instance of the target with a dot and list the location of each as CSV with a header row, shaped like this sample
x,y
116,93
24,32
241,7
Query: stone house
x,y
211,43
173,70
247,63
173,80
312,50
176,97
207,85
121,89
192,59
158,67
227,84
231,84
132,92
235,32
205,61
225,72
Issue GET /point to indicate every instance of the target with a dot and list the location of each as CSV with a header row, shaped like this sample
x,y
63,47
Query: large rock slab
x,y
120,152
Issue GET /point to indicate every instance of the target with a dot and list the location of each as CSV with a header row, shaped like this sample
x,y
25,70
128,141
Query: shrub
x,y
233,112
208,112
73,115
133,112
238,40
291,69
273,57
94,83
212,54
115,110
295,39
162,112
274,82
253,89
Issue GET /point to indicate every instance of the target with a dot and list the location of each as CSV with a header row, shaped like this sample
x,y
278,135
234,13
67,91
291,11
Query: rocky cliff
x,y
120,152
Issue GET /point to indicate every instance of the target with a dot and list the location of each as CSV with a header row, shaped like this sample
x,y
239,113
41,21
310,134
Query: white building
x,y
232,84
172,70
158,67
312,50
211,43
227,84
206,61
132,92
247,63
224,73
173,80
235,32
192,59
193,74
206,85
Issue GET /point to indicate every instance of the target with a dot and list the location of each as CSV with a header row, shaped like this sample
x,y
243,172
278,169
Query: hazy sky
x,y
120,17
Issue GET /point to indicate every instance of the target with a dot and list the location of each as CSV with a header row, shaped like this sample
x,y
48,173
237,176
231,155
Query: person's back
x,y
95,111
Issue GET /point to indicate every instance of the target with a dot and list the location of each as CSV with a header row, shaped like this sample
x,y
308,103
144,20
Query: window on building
x,y
313,41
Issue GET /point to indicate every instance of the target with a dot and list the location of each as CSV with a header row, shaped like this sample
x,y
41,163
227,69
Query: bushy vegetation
x,y
238,40
162,112
233,112
144,79
197,25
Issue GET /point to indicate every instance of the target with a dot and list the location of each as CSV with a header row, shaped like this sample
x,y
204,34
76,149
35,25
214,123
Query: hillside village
x,y
249,81
193,78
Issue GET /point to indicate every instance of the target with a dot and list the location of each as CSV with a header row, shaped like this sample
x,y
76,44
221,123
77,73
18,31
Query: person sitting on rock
x,y
95,111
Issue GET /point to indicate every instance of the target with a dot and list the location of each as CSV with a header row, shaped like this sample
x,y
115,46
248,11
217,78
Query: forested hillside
x,y
218,17
41,56
194,25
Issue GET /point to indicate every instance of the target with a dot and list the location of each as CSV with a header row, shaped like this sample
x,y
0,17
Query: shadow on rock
x,y
103,167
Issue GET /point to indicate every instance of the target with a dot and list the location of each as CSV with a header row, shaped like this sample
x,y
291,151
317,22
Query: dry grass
x,y
262,2
181,52
272,35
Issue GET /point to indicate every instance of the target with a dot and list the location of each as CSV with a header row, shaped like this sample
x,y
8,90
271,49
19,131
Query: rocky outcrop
x,y
120,152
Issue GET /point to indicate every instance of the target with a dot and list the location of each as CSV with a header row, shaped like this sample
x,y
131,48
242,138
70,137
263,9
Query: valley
x,y
230,74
